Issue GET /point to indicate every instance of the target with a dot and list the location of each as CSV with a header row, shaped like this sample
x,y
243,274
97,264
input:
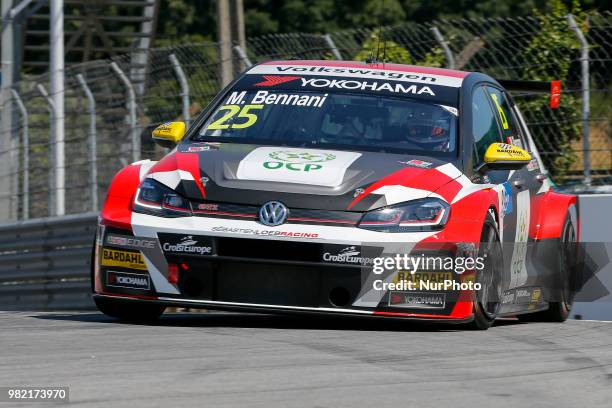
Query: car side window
x,y
507,120
484,125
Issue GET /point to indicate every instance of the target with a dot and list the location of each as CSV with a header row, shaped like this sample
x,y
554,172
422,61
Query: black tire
x,y
487,302
92,265
131,311
563,297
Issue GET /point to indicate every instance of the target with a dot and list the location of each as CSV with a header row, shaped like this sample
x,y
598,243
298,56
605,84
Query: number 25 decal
x,y
233,110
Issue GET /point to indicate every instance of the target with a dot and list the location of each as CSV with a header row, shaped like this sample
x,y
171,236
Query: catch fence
x,y
111,106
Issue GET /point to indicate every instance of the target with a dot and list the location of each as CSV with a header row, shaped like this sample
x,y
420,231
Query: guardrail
x,y
45,263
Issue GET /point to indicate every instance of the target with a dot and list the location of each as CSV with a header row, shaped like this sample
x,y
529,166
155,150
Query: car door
x,y
523,186
486,129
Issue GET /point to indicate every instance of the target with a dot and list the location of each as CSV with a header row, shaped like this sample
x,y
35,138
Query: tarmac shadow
x,y
272,321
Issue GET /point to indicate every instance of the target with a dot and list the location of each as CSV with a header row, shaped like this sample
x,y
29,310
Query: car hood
x,y
306,178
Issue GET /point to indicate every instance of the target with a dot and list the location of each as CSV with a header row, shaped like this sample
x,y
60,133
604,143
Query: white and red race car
x,y
316,187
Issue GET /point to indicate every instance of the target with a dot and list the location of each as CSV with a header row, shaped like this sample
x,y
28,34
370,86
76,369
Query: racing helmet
x,y
429,130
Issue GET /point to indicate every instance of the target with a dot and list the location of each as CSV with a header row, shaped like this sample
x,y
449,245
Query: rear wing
x,y
553,88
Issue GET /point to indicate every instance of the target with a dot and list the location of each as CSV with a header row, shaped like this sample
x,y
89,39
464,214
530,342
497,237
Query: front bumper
x,y
259,273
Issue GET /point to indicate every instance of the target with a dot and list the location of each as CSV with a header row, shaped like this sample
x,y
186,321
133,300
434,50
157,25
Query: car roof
x,y
377,65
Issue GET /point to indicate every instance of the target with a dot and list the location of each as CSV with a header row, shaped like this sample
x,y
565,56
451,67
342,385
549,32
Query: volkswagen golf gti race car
x,y
318,187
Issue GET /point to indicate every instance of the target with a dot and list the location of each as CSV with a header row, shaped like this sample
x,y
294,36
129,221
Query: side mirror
x,y
168,134
502,156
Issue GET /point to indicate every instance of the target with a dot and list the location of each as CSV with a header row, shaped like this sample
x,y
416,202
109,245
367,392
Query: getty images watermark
x,y
419,272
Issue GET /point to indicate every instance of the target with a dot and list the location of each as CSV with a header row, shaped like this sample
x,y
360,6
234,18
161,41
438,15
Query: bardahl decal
x,y
123,259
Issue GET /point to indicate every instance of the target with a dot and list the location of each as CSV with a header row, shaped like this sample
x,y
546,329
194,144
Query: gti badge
x,y
273,213
358,192
204,181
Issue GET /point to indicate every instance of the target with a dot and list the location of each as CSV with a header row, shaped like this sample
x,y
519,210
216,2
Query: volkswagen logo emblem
x,y
273,213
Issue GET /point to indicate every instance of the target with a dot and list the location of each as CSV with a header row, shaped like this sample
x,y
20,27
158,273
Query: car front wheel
x,y
487,301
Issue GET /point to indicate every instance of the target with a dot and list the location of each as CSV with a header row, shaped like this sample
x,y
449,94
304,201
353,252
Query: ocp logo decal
x,y
297,161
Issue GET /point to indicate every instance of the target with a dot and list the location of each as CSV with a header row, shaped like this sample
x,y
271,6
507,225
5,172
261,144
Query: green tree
x,y
395,52
549,57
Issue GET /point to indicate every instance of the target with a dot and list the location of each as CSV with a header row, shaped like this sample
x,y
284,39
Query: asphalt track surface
x,y
238,360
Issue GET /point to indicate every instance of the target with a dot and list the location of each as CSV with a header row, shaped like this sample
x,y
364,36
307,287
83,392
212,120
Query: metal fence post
x,y
6,114
332,46
182,79
246,62
52,156
584,64
56,85
25,144
92,139
131,105
450,59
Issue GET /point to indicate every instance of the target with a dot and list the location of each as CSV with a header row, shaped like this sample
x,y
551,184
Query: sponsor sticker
x,y
128,280
130,242
425,277
208,207
266,232
507,297
274,80
421,300
193,149
518,268
506,199
532,165
186,244
531,296
123,259
450,109
295,165
341,254
363,85
355,72
417,163
536,297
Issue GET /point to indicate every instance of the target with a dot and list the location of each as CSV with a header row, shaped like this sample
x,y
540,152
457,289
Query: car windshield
x,y
338,120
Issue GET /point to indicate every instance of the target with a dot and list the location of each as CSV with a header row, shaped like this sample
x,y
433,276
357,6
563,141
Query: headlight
x,y
154,198
427,214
